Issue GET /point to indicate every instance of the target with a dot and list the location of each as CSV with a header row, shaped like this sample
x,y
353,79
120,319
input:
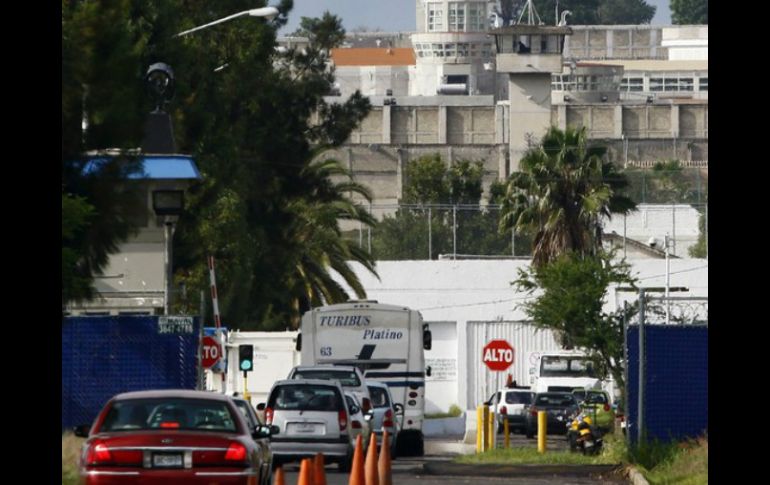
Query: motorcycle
x,y
584,436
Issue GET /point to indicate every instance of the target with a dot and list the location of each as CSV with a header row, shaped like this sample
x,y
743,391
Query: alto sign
x,y
212,352
498,355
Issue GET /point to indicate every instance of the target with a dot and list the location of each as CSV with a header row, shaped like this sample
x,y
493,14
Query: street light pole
x,y
267,12
169,231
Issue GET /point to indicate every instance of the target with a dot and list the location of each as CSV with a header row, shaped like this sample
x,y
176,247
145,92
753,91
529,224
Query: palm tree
x,y
560,195
319,243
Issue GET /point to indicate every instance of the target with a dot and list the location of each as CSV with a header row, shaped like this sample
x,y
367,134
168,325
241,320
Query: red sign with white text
x,y
497,355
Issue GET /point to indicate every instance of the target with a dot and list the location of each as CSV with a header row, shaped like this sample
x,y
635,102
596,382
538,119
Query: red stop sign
x,y
497,355
212,352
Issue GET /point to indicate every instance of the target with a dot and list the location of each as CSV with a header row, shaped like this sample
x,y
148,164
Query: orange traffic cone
x,y
386,477
357,469
372,476
306,472
279,478
319,472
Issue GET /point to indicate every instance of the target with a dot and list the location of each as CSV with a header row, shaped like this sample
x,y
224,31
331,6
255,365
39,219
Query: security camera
x,y
652,242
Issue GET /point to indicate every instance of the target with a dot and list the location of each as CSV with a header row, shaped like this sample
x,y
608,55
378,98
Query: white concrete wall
x,y
475,291
655,220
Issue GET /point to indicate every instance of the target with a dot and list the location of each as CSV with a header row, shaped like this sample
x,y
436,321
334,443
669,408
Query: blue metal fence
x,y
676,381
106,355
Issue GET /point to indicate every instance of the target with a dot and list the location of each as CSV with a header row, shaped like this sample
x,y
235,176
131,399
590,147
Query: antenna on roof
x,y
529,8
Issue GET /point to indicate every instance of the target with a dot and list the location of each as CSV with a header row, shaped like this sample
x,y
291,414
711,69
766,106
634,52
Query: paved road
x,y
408,471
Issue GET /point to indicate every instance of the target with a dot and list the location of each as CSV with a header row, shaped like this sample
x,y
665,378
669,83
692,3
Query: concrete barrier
x,y
435,428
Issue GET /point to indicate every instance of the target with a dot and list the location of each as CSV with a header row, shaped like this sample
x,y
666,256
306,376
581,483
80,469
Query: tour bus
x,y
387,342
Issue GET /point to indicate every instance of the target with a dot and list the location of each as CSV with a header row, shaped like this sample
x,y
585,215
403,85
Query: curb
x,y
455,469
636,477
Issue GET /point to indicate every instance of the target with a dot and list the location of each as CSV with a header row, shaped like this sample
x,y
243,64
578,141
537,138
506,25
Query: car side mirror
x,y
298,347
427,338
261,406
82,430
428,371
399,408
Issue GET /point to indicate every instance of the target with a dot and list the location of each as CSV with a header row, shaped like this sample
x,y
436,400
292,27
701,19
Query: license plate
x,y
304,428
167,460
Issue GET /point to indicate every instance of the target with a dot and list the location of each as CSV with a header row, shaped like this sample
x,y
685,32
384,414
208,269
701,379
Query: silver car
x,y
313,417
385,414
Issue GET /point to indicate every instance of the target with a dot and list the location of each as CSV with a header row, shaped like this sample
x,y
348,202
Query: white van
x,y
387,342
564,371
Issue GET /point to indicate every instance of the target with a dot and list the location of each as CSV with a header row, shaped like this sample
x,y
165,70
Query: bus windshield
x,y
564,366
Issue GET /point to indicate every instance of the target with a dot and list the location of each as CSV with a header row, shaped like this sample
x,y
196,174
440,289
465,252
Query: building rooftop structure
x,y
367,56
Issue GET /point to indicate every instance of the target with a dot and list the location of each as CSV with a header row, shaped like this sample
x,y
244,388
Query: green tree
x,y
252,118
571,291
597,12
700,249
435,198
689,12
561,193
101,52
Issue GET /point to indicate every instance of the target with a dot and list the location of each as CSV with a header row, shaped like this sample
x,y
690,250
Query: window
x,y
456,17
518,398
457,79
168,413
476,18
703,84
304,397
438,50
557,366
435,17
462,50
379,397
656,84
346,378
632,84
451,50
671,84
685,84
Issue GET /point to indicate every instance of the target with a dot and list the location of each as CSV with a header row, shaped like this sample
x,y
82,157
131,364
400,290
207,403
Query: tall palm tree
x,y
320,244
560,195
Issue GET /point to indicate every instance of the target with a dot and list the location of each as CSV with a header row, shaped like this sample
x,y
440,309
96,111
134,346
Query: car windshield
x,y
518,398
379,397
555,400
596,398
169,413
346,377
243,407
562,366
304,397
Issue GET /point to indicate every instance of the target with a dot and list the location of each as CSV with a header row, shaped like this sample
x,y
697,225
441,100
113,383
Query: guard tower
x,y
530,53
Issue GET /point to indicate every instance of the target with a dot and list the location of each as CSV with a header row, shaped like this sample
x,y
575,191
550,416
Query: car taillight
x,y
268,416
387,420
503,410
355,424
235,452
169,425
98,453
606,407
343,419
366,405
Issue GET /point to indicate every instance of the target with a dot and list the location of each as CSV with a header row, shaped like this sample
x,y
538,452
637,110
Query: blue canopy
x,y
155,167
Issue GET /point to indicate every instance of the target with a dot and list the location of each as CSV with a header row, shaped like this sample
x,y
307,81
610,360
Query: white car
x,y
512,404
386,414
350,377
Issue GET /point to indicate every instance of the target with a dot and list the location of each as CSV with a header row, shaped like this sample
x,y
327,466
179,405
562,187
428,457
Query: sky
x,y
393,15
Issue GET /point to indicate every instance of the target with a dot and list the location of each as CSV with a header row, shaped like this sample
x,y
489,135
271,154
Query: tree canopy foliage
x,y
571,291
689,12
583,12
252,118
561,193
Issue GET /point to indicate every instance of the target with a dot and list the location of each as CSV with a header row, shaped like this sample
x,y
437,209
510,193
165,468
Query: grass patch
x,y
70,452
530,456
684,463
454,411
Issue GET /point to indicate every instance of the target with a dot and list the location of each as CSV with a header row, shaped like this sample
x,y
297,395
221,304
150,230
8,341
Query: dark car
x,y
173,436
559,408
254,421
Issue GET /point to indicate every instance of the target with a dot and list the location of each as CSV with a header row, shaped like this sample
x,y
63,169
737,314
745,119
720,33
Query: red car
x,y
174,436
